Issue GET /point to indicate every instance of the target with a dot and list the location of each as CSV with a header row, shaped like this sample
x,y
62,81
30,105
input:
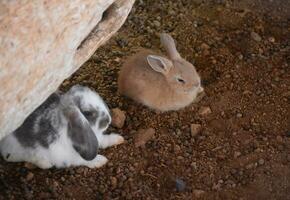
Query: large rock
x,y
43,42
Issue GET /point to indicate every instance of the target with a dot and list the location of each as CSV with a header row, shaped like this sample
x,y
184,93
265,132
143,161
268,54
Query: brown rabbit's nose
x,y
196,83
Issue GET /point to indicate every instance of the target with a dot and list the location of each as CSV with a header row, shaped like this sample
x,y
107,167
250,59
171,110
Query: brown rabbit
x,y
159,82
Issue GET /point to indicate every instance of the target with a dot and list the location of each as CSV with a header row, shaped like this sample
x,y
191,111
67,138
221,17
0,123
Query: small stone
x,y
114,182
271,39
228,76
237,154
204,110
118,117
171,12
250,166
239,115
180,158
180,185
156,23
29,166
204,46
198,193
194,165
29,176
195,129
261,161
255,36
234,171
177,149
143,136
122,42
241,56
55,184
279,138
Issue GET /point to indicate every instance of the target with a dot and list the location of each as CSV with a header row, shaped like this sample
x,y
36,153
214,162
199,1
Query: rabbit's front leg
x,y
109,140
97,162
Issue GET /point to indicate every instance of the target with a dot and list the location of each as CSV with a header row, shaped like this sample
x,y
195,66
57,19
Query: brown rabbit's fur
x,y
158,91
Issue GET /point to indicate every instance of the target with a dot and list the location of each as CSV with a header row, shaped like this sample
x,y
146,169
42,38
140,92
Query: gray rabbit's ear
x,y
159,64
79,130
168,43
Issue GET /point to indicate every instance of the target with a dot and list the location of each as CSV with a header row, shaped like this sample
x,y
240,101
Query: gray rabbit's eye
x,y
91,116
88,113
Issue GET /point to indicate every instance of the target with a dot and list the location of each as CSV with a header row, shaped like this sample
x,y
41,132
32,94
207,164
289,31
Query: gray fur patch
x,y
40,127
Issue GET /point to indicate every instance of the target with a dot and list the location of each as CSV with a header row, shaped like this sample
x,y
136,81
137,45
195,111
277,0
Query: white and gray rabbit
x,y
66,130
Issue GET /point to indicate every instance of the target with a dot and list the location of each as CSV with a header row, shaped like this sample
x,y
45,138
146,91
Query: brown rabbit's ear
x,y
159,64
168,43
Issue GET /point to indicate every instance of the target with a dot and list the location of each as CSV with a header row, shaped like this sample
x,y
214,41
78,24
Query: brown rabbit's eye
x,y
180,80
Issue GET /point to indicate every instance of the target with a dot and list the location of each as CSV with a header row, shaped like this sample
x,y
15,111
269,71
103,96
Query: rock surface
x,y
43,43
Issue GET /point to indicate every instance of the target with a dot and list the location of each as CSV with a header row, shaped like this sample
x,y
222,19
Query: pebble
x,y
250,166
143,136
55,184
272,39
234,171
261,161
204,46
177,149
194,165
204,110
118,117
171,12
180,158
180,185
122,42
195,129
279,138
114,182
198,193
237,154
239,115
156,23
29,176
255,36
29,165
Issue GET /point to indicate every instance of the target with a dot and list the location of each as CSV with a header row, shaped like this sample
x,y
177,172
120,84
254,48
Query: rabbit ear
x,y
79,130
159,64
168,43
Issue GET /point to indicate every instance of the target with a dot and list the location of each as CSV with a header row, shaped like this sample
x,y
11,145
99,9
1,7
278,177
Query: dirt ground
x,y
242,51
